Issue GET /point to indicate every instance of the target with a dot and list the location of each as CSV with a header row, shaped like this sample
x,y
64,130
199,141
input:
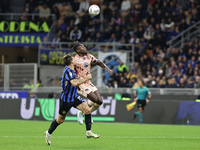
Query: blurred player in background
x,y
69,98
142,97
83,62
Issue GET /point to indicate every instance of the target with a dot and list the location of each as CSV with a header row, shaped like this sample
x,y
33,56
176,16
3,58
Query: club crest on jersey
x,y
85,64
88,58
70,74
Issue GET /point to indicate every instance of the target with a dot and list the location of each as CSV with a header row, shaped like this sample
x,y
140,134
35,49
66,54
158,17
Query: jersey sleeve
x,y
136,92
148,92
93,59
69,75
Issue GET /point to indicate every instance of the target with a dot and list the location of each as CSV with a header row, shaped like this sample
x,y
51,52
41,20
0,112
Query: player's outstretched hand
x,y
107,69
89,76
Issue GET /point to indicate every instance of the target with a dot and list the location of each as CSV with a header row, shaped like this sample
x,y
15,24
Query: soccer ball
x,y
94,10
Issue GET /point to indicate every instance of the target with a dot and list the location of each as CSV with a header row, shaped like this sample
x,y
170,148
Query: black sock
x,y
88,122
53,126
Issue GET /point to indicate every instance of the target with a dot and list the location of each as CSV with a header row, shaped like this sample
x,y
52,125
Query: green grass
x,y
28,135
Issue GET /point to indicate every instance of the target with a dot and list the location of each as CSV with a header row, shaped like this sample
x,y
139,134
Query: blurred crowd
x,y
144,23
148,24
173,69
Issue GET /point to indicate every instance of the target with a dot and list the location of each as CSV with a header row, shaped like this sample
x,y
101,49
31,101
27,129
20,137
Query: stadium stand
x,y
148,24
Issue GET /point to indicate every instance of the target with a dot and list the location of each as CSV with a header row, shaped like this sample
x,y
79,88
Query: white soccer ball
x,y
94,10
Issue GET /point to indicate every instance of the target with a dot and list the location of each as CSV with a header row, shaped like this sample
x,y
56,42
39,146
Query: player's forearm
x,y
149,96
101,64
79,81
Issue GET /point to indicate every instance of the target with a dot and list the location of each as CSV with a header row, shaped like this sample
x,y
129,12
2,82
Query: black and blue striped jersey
x,y
69,92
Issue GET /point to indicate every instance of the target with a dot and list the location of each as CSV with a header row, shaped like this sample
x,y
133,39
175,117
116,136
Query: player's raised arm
x,y
99,63
77,82
102,65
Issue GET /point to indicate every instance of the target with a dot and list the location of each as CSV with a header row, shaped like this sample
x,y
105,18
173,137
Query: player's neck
x,y
71,66
141,86
81,55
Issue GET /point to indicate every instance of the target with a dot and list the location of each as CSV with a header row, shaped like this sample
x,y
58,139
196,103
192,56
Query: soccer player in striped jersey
x,y
69,98
142,96
83,62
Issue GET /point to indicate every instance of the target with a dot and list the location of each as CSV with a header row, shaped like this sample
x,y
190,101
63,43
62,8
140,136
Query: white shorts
x,y
85,88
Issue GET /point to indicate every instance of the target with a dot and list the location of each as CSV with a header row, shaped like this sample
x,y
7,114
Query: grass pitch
x,y
29,135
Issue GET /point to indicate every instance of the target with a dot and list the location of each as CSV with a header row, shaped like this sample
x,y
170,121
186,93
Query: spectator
x,y
36,11
130,75
63,26
161,63
118,33
75,5
75,34
44,12
136,68
132,82
55,41
161,84
181,68
131,24
52,95
173,68
190,70
181,53
149,33
134,39
172,83
178,77
33,95
160,72
190,84
157,30
98,38
83,7
122,67
172,33
183,25
111,80
195,17
182,83
86,34
185,62
112,38
154,71
193,61
154,62
197,82
24,16
125,5
115,85
149,81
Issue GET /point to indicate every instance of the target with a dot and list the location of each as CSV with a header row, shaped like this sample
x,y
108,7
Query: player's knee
x,y
87,111
60,121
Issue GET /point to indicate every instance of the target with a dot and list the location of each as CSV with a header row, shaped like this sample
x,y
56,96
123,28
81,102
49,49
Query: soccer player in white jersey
x,y
83,62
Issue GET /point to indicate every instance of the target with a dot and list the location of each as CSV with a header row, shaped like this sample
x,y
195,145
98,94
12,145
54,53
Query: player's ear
x,y
74,62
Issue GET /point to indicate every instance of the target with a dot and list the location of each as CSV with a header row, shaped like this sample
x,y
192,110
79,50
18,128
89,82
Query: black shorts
x,y
141,103
66,106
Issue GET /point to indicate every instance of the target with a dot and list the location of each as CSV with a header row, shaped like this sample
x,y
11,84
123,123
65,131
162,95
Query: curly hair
x,y
75,45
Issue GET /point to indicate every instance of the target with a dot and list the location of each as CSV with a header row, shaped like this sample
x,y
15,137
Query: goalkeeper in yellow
x,y
142,97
